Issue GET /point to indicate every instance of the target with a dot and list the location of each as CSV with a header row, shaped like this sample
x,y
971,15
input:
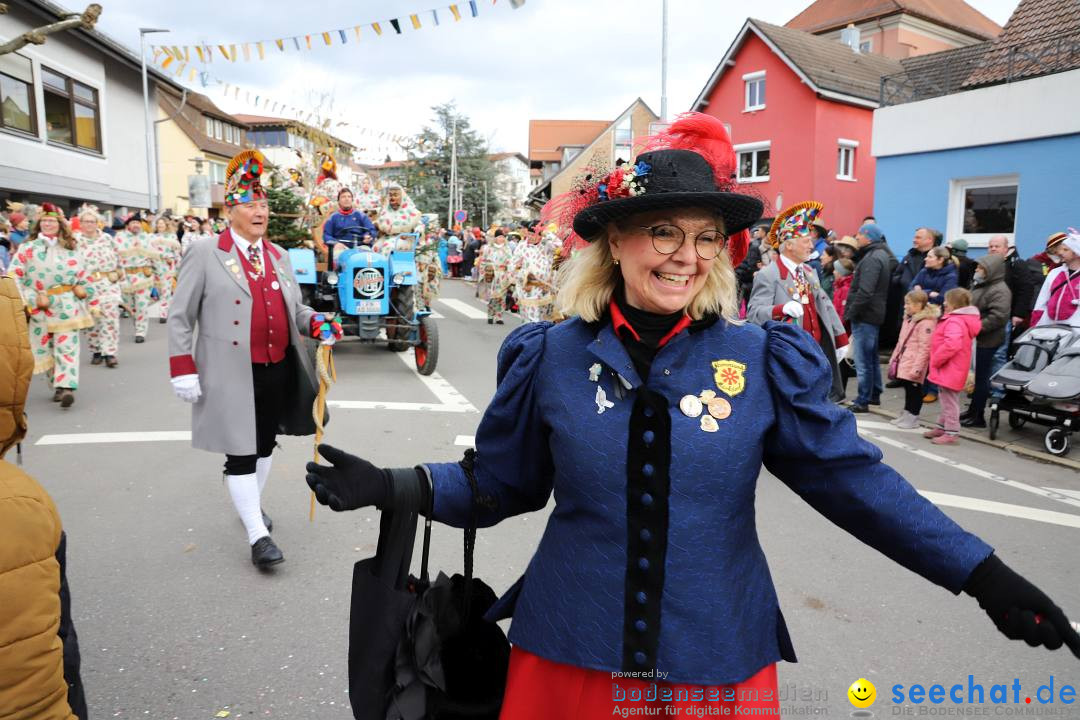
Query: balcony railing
x,y
980,65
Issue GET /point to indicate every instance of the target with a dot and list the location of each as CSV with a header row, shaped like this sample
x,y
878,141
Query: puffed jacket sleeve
x,y
513,467
815,449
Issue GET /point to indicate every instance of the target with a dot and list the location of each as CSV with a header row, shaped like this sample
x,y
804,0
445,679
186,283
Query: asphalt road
x,y
174,622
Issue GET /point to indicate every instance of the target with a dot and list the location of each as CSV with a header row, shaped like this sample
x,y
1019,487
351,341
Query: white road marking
x,y
469,311
115,437
436,316
1069,493
390,405
978,472
871,425
438,386
998,508
465,441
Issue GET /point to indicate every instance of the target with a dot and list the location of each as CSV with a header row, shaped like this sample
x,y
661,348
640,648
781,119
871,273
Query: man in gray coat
x,y
248,374
788,290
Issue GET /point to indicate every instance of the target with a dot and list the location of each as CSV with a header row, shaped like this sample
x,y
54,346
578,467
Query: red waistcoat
x,y
810,322
269,323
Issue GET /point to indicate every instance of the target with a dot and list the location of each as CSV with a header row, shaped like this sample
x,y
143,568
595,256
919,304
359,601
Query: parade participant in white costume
x,y
138,258
532,272
165,243
105,273
495,269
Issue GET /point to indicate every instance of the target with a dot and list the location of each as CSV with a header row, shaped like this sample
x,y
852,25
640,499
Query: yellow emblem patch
x,y
729,376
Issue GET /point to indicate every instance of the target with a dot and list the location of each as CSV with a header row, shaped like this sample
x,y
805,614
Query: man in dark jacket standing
x,y
865,311
746,270
965,266
992,297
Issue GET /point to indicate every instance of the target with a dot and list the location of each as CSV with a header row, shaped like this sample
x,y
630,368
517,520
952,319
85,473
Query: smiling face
x,y
161,226
49,225
862,693
249,219
657,283
798,250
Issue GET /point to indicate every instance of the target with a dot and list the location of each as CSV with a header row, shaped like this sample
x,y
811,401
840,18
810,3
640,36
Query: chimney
x,y
850,36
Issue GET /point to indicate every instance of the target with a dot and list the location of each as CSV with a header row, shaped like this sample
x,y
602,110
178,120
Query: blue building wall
x,y
913,190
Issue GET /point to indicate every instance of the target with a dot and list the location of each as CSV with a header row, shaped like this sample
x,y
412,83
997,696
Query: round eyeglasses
x,y
667,239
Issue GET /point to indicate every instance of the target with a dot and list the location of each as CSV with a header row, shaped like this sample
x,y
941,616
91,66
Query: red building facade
x,y
800,113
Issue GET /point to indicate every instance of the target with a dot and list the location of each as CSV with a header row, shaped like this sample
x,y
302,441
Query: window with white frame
x,y
17,107
217,172
845,159
753,161
624,141
982,207
866,46
755,90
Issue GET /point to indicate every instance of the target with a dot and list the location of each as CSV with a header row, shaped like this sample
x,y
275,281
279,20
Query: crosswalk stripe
x,y
465,441
115,437
998,508
469,311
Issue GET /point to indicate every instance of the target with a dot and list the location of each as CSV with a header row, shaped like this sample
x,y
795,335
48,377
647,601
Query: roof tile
x,y
825,15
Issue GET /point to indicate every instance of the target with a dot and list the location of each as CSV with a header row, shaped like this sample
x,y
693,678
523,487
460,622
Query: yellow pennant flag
x,y
177,52
455,12
191,75
232,53
326,38
357,29
308,38
247,53
224,52
199,52
376,28
262,55
280,45
167,61
180,70
415,21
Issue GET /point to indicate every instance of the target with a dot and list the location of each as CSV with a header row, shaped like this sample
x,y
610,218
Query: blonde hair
x,y
587,282
958,297
918,297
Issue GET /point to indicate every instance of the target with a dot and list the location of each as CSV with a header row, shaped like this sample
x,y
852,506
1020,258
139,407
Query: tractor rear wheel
x,y
427,352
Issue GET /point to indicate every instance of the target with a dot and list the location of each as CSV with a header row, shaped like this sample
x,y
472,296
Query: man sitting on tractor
x,y
348,226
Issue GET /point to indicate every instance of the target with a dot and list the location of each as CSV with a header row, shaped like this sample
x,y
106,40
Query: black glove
x,y
353,482
1018,609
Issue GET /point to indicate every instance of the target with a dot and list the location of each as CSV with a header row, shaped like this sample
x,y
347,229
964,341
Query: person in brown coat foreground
x,y
39,651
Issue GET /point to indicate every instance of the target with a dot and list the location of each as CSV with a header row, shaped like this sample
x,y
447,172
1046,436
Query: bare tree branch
x,y
37,35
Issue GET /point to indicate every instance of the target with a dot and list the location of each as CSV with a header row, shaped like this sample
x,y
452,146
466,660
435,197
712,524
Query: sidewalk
x,y
1027,441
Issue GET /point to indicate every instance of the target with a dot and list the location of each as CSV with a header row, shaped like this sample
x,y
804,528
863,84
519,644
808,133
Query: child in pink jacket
x,y
950,358
910,359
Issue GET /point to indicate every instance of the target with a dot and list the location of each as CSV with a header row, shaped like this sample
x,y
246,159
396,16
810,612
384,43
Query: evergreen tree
x,y
286,214
426,173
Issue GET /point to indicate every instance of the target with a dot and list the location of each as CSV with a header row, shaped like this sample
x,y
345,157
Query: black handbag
x,y
421,650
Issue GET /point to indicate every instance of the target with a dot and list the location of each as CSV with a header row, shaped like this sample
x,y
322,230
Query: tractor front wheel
x,y
427,351
403,302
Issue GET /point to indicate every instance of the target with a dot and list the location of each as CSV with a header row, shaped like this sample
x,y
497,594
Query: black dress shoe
x,y
855,408
894,384
876,401
973,421
265,553
139,339
267,521
97,359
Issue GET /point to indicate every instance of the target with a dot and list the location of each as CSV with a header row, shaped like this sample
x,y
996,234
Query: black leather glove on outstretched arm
x,y
350,482
1020,610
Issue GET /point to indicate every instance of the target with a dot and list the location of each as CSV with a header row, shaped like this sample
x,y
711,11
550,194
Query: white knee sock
x,y
244,490
262,471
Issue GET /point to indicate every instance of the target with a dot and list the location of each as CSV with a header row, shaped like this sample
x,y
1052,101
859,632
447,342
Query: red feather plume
x,y
705,135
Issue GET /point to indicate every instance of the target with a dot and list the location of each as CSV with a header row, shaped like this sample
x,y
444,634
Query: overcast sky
x,y
573,59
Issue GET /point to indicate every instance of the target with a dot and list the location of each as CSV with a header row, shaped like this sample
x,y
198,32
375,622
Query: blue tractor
x,y
374,296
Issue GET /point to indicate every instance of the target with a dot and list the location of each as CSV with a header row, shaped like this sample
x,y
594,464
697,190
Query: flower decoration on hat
x,y
794,222
50,210
243,178
326,328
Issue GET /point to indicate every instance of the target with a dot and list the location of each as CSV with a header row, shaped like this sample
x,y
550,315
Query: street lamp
x,y
151,180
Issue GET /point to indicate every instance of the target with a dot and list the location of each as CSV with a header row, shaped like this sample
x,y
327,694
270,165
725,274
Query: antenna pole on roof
x,y
663,67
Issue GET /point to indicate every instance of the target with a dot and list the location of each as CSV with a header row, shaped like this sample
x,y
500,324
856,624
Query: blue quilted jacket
x,y
650,559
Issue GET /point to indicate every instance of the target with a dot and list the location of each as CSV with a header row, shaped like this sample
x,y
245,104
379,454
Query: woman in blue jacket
x,y
938,275
649,414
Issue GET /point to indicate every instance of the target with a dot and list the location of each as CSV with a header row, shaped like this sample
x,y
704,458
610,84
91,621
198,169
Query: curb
x,y
1008,447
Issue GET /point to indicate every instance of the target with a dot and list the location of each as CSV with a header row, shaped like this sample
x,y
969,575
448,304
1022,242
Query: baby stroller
x,y
1041,385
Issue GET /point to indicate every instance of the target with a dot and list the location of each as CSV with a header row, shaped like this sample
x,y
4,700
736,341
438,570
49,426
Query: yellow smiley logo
x,y
862,693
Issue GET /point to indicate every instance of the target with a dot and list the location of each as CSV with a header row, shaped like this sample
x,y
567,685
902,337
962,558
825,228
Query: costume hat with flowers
x,y
243,178
794,222
690,164
50,210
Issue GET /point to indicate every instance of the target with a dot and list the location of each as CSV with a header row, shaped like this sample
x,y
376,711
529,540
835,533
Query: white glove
x,y
186,387
793,308
842,353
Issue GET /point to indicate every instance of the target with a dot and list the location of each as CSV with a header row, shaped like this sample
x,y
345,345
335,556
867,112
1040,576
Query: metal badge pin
x,y
691,407
719,408
804,300
625,383
275,285
602,403
708,423
706,395
594,372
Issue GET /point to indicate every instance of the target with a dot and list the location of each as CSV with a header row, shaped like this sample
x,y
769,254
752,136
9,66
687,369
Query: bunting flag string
x,y
204,53
326,122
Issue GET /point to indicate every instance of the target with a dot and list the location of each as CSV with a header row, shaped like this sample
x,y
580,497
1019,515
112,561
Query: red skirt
x,y
539,689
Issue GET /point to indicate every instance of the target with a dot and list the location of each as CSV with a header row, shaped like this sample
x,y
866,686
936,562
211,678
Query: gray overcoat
x,y
774,286
216,300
